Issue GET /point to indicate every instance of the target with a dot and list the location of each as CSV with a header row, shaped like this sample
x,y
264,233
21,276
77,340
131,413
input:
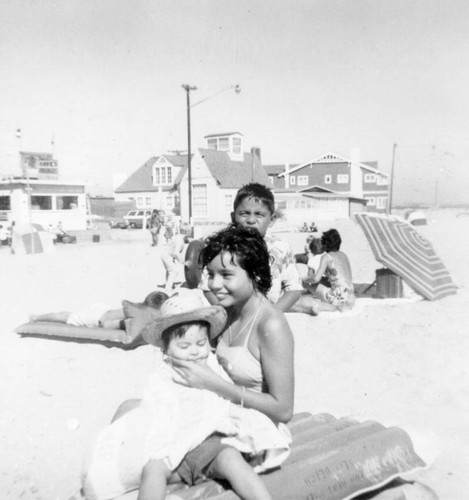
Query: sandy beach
x,y
399,362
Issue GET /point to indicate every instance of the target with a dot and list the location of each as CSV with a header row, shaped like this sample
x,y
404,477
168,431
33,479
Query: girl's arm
x,y
276,347
276,354
316,278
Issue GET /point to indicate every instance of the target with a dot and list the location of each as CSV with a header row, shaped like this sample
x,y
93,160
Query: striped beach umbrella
x,y
400,248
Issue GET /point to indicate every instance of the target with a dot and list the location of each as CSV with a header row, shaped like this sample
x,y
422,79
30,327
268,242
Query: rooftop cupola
x,y
231,142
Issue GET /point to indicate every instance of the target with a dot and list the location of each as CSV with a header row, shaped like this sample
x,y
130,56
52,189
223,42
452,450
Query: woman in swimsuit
x,y
256,347
332,282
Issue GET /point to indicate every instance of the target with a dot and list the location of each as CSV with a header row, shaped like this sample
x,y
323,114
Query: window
x,y
370,178
41,202
212,143
382,180
236,145
281,205
342,179
199,200
302,180
163,175
148,201
327,179
381,202
5,203
228,203
139,201
169,201
292,180
223,144
67,202
371,201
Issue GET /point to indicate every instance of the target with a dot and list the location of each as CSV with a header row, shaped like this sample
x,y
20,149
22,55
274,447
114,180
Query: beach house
x,y
217,172
329,186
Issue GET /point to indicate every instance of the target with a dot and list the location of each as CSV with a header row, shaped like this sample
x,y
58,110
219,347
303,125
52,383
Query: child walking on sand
x,y
98,315
150,441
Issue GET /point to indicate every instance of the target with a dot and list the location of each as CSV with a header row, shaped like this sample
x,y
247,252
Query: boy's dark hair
x,y
178,331
155,299
258,192
315,246
331,240
250,249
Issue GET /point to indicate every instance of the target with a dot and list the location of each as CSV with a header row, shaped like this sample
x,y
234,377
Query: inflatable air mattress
x,y
331,459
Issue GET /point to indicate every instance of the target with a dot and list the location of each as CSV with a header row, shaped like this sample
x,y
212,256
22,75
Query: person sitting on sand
x,y
98,315
337,293
315,254
151,440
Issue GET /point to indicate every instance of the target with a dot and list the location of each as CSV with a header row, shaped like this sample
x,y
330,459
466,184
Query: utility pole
x,y
391,184
188,89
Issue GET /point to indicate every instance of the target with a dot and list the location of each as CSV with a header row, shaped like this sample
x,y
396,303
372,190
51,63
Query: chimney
x,y
255,151
255,160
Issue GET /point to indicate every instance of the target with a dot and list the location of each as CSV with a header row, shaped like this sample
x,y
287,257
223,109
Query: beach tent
x,y
31,238
402,249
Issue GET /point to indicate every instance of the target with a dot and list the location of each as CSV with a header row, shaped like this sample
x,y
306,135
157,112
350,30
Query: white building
x,y
44,202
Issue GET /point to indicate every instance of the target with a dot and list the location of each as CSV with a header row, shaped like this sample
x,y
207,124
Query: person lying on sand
x,y
98,315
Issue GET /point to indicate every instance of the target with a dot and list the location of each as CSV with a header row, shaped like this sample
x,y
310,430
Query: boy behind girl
x,y
254,207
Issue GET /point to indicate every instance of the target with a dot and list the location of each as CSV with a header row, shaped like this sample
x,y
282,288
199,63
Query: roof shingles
x,y
226,172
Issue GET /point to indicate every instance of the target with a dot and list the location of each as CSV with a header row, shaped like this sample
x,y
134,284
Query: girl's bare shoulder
x,y
272,322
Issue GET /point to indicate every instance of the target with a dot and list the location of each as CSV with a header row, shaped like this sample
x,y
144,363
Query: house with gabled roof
x,y
329,186
217,172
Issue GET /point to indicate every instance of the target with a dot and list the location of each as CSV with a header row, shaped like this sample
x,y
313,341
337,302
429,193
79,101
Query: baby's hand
x,y
193,374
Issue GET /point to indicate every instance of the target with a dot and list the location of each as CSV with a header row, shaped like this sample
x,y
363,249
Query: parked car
x,y
136,218
118,224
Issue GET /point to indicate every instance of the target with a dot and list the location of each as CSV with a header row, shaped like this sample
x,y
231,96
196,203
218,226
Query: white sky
x,y
104,79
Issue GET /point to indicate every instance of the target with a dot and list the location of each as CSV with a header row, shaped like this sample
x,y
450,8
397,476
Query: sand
x,y
399,362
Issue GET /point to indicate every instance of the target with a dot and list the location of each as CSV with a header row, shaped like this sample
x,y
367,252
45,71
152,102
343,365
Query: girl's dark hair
x,y
250,249
178,331
331,240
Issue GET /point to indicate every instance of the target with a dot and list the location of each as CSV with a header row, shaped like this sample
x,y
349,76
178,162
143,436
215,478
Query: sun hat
x,y
185,307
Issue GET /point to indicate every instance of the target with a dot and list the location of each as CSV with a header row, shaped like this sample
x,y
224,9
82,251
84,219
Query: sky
x,y
99,84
